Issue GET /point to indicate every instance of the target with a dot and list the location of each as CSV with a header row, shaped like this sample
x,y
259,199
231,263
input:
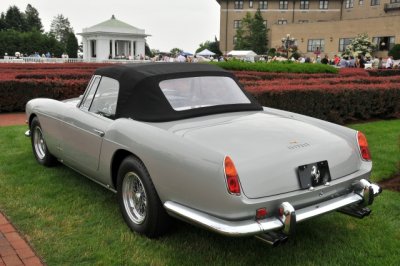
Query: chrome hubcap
x,y
134,197
38,143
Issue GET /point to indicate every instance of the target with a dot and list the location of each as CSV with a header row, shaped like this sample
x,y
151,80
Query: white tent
x,y
206,52
243,54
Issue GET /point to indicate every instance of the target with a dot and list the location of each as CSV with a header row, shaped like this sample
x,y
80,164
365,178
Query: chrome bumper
x,y
364,193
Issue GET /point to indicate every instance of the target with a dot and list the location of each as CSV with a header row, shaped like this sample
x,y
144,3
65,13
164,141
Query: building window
x,y
282,22
383,43
394,1
304,4
323,4
238,4
349,3
375,2
237,24
251,4
283,4
265,23
303,21
234,40
361,2
263,4
343,43
316,45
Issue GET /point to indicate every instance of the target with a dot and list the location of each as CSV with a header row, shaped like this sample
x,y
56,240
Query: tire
x,y
139,203
39,147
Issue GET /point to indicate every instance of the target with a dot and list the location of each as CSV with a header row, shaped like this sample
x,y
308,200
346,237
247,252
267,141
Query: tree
x,y
12,41
33,21
395,52
3,25
258,33
361,45
72,45
147,50
252,34
14,19
60,29
175,51
243,34
212,46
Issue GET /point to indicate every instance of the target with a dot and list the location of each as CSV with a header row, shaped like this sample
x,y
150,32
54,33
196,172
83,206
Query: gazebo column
x,y
132,50
140,48
113,48
89,53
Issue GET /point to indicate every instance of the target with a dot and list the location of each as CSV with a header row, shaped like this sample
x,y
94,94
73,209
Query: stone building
x,y
113,39
319,26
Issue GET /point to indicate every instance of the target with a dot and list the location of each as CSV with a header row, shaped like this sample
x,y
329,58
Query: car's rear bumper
x,y
363,193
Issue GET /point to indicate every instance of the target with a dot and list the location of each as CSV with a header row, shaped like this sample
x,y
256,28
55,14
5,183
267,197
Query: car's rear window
x,y
198,92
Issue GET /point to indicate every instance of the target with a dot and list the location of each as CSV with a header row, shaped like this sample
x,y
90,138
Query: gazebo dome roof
x,y
113,25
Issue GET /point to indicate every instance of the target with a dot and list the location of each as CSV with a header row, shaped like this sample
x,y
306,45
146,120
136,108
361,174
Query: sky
x,y
171,23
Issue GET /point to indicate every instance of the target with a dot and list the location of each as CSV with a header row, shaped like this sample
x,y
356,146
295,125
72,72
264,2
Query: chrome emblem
x,y
315,174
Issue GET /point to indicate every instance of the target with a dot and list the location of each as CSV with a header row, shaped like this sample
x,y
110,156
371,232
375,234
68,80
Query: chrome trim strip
x,y
327,206
224,227
253,227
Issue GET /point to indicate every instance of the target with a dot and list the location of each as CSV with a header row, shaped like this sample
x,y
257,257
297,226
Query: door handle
x,y
99,132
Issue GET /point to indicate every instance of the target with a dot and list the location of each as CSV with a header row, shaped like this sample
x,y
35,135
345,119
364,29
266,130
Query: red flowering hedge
x,y
21,82
353,94
350,95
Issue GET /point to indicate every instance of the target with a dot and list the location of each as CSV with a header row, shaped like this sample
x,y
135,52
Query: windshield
x,y
197,92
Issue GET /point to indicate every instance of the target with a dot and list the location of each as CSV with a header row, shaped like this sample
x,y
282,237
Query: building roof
x,y
113,26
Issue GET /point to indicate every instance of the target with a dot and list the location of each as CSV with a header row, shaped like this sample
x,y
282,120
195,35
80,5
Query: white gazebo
x,y
113,39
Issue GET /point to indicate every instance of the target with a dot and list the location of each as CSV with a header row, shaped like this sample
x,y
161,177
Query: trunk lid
x,y
267,150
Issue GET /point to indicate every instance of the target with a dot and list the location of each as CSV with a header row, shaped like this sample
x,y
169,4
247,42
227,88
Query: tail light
x,y
261,213
363,144
232,177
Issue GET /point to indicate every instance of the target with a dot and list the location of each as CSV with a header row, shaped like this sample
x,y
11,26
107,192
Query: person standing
x,y
389,62
325,60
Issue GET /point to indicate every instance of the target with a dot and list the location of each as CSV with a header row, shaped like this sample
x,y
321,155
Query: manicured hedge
x,y
20,83
14,94
384,72
279,67
352,94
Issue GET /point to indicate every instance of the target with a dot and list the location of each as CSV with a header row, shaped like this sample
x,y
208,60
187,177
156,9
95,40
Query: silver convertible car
x,y
187,141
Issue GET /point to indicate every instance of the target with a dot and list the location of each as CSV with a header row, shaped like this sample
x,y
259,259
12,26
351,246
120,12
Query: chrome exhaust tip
x,y
273,238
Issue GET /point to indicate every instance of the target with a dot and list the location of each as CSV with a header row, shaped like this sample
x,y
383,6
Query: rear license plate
x,y
313,174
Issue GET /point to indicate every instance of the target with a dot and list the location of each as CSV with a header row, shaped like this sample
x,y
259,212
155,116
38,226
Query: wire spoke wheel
x,y
134,197
38,143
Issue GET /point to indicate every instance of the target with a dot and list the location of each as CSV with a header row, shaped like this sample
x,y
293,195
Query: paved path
x,y
14,249
12,119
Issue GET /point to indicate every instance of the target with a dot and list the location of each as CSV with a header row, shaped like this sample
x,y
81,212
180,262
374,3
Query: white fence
x,y
13,59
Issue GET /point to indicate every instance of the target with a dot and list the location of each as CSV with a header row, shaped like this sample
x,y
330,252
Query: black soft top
x,y
141,98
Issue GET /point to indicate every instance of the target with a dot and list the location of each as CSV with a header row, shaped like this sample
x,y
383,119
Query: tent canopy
x,y
243,53
186,53
206,52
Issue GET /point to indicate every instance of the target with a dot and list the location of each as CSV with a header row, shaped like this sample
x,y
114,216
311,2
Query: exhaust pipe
x,y
273,238
355,211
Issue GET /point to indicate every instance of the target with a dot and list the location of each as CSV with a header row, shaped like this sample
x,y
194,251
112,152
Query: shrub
x,y
280,67
395,52
384,72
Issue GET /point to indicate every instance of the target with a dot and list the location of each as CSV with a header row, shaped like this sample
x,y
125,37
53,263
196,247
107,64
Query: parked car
x,y
187,141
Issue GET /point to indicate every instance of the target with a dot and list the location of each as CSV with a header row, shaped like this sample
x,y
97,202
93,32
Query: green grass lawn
x,y
73,221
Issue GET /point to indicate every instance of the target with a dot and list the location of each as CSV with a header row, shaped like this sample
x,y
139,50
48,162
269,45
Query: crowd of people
x,y
352,62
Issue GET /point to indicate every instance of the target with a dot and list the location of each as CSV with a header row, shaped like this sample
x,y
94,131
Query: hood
x,y
267,150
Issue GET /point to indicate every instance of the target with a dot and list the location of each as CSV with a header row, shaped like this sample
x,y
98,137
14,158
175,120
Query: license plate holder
x,y
313,174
